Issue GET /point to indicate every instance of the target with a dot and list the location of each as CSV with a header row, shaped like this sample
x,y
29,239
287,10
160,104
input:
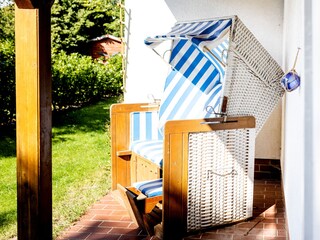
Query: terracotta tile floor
x,y
108,220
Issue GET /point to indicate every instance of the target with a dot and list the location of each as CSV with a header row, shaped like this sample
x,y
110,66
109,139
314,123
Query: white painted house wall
x,y
146,72
301,157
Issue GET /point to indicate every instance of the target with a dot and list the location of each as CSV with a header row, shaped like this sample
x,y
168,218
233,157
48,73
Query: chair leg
x,y
152,219
129,201
143,211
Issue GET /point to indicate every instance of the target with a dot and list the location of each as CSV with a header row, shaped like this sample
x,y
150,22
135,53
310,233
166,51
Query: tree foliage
x,y
7,65
76,22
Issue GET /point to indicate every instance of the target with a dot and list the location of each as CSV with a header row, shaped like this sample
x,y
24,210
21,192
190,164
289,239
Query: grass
x,y
80,167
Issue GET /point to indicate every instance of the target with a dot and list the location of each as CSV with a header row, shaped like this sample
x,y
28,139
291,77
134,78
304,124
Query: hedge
x,y
76,79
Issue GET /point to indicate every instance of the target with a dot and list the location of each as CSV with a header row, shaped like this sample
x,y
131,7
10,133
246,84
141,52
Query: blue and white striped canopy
x,y
189,53
196,78
199,33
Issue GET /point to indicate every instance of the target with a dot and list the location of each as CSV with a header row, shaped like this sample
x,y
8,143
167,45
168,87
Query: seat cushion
x,y
151,188
149,149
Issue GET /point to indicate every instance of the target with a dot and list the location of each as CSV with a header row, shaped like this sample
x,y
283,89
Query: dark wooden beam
x,y
33,4
33,104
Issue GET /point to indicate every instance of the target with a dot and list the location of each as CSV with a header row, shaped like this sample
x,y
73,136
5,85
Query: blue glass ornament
x,y
291,80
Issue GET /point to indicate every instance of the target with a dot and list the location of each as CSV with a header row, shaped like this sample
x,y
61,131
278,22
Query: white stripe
x,y
155,123
177,96
142,122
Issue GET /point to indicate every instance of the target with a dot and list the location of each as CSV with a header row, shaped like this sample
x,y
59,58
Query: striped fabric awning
x,y
195,50
196,78
199,33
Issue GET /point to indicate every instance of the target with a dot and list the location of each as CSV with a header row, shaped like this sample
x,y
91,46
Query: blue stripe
x,y
171,75
192,67
209,30
136,126
209,80
150,188
217,91
178,46
182,60
180,102
169,98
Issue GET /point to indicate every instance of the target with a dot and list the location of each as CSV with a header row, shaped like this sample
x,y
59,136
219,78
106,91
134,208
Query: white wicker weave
x,y
253,77
220,177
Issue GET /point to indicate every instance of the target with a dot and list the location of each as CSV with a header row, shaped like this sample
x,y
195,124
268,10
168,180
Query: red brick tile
x,y
124,237
89,223
125,231
282,233
98,206
248,237
133,225
249,225
218,236
101,211
75,236
122,212
259,196
108,219
193,237
274,238
101,217
270,232
227,229
98,236
119,224
99,230
74,228
125,218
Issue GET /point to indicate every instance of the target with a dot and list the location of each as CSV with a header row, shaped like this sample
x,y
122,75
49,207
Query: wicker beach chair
x,y
202,147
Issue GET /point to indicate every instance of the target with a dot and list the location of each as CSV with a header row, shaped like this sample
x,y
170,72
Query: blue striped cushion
x,y
151,188
149,149
144,126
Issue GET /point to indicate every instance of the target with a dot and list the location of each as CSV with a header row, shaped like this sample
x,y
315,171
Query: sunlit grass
x,y
80,167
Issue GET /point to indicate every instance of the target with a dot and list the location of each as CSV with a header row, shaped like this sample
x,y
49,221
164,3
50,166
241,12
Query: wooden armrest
x,y
140,195
123,153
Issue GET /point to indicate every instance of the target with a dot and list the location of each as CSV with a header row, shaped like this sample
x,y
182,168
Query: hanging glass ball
x,y
290,81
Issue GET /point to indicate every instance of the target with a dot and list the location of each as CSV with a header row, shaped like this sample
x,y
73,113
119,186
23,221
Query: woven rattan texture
x,y
253,77
220,180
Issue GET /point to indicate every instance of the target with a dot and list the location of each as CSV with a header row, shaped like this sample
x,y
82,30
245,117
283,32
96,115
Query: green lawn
x,y
80,165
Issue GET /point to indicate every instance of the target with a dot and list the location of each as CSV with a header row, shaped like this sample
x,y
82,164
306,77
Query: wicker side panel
x,y
220,177
248,95
253,78
257,57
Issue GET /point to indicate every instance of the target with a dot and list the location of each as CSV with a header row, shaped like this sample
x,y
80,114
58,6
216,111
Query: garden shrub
x,y
77,79
7,83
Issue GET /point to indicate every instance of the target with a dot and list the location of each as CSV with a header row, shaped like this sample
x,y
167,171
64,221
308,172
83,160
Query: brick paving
x,y
109,220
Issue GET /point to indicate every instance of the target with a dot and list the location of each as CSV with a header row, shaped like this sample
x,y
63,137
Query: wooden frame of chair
x,y
175,168
121,156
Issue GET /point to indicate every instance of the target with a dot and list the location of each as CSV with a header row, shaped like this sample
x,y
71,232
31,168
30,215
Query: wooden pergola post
x,y
33,104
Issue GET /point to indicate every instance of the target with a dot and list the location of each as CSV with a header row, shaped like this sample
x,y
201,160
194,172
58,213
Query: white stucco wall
x,y
146,72
293,141
301,167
